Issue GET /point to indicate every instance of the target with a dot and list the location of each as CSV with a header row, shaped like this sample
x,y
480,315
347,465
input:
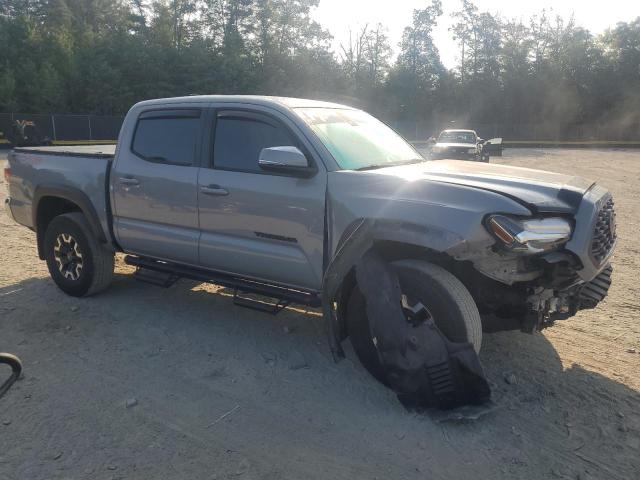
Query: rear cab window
x,y
167,136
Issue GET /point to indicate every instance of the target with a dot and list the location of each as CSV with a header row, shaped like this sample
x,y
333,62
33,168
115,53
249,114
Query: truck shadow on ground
x,y
190,347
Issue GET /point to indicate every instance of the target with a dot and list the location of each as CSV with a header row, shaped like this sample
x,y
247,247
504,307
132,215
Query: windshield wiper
x,y
390,164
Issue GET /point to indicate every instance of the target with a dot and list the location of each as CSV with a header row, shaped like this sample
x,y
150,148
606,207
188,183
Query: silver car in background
x,y
464,145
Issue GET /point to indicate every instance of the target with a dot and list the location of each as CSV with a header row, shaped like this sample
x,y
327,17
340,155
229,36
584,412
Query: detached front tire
x,y
423,284
78,264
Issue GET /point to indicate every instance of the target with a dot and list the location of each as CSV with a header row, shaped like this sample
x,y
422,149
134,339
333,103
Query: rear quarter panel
x,y
32,171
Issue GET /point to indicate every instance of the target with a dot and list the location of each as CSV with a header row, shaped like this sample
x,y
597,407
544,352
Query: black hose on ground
x,y
16,370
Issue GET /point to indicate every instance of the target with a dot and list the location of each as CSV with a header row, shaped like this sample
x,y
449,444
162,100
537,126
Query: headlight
x,y
532,235
471,150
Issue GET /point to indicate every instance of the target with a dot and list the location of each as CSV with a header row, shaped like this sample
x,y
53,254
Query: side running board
x,y
272,308
166,274
154,277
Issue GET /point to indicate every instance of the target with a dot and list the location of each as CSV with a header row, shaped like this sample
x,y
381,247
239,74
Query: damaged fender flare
x,y
421,365
361,238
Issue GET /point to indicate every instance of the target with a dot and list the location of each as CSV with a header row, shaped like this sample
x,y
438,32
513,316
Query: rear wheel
x,y
427,291
77,262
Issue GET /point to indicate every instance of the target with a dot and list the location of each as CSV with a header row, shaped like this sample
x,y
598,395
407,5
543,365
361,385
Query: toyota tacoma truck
x,y
298,201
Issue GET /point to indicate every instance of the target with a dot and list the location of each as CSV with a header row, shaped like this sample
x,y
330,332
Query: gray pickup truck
x,y
284,199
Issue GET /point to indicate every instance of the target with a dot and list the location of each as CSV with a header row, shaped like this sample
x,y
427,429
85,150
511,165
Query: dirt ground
x,y
142,382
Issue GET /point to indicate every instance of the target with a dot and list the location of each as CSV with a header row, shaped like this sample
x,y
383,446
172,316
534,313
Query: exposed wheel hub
x,y
415,311
68,256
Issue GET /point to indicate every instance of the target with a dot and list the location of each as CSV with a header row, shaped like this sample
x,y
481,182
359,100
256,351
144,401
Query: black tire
x,y
447,299
96,262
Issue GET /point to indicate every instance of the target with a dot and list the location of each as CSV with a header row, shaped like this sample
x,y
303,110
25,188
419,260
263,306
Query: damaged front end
x,y
420,364
530,292
547,305
526,255
546,269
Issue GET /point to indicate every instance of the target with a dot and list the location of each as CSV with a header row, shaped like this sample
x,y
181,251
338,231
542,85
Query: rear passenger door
x,y
254,223
154,185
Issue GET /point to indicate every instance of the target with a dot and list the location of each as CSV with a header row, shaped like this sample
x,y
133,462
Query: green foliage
x,y
101,56
550,73
7,90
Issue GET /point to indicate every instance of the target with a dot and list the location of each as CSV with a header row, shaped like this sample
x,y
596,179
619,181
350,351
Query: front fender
x,y
358,239
368,207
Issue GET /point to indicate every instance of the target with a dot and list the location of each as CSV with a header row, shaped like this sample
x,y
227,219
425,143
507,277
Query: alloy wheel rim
x,y
68,256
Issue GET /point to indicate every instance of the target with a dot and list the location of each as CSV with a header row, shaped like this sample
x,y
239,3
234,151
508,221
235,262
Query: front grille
x,y
604,232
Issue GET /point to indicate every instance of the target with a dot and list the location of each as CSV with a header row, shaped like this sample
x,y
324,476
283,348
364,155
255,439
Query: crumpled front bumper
x,y
547,305
589,294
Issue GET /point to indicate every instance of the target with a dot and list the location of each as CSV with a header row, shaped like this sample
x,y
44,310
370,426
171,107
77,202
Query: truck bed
x,y
98,151
78,173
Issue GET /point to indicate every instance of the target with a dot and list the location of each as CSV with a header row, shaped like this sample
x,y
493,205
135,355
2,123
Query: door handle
x,y
214,190
129,181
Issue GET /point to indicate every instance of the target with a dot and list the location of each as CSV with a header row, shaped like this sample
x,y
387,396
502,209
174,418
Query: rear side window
x,y
167,139
238,142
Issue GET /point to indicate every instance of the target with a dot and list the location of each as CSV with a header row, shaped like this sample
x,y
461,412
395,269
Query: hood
x,y
539,190
455,145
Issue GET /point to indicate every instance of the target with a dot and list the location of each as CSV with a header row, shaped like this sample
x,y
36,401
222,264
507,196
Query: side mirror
x,y
287,160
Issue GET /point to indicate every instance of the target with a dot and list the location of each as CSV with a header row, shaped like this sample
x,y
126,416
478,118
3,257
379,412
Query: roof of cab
x,y
287,102
461,130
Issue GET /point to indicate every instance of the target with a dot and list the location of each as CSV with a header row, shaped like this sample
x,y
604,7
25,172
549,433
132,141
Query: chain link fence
x,y
19,128
25,128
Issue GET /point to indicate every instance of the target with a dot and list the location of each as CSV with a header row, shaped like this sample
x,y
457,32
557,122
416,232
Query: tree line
x,y
101,56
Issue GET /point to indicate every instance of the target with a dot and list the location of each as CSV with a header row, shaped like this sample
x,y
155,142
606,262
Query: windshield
x,y
457,137
357,140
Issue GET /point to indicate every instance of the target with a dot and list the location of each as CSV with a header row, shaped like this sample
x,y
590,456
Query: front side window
x,y
357,140
166,139
239,141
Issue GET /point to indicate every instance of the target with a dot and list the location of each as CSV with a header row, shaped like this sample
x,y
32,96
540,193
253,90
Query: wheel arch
x,y
393,241
50,201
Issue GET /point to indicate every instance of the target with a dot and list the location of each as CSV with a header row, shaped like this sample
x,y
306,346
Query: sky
x,y
338,16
